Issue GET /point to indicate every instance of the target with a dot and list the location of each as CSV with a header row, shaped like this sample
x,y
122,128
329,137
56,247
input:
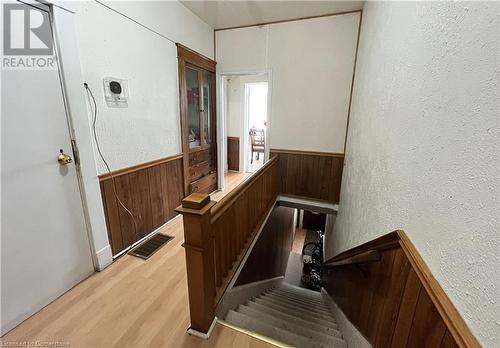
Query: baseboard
x,y
104,257
351,334
240,294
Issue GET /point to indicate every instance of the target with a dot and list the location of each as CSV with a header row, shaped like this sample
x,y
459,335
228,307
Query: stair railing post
x,y
200,264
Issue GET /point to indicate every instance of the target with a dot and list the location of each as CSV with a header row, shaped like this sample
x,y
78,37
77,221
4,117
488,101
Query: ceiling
x,y
227,14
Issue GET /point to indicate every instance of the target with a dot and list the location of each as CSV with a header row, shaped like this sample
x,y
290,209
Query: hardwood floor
x,y
131,303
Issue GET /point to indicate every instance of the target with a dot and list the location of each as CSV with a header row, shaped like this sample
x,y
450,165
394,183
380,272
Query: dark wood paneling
x,y
311,174
269,256
233,153
313,221
151,192
387,300
427,328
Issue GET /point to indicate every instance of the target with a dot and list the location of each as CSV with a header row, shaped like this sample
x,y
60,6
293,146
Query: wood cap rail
x,y
232,196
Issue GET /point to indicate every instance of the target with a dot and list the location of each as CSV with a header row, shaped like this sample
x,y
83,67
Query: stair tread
x,y
285,336
320,324
304,313
288,325
298,290
304,295
305,305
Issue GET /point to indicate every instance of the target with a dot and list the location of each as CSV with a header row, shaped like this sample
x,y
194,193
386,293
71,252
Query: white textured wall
x,y
311,62
234,119
112,45
423,146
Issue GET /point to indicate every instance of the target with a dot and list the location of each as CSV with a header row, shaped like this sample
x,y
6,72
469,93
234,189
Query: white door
x,y
44,244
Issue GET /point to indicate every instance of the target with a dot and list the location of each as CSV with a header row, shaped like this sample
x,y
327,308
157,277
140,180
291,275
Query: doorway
x,y
255,124
245,103
45,248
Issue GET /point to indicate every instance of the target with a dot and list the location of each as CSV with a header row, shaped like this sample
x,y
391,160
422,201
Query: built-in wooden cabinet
x,y
198,120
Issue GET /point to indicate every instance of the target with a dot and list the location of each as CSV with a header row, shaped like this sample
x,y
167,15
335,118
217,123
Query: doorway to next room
x,y
305,259
245,109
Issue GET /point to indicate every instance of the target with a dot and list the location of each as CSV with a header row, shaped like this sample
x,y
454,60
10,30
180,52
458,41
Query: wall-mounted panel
x,y
151,192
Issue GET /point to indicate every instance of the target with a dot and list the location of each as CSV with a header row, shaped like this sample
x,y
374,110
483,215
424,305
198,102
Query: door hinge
x,y
76,155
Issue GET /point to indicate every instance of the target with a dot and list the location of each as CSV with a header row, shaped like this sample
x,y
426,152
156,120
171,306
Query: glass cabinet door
x,y
208,79
193,108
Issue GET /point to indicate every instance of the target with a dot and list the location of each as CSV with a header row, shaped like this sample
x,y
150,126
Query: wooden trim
x,y
352,82
368,256
190,56
398,239
388,241
316,200
308,153
134,168
234,138
289,20
453,320
227,200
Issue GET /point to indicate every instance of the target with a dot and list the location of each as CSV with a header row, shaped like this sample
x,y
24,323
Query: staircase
x,y
289,314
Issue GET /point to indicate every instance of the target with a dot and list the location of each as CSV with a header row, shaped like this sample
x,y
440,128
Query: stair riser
x,y
302,292
296,298
317,300
316,323
298,312
301,330
299,304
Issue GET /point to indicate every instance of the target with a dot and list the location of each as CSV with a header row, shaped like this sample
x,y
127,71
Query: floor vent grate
x,y
150,246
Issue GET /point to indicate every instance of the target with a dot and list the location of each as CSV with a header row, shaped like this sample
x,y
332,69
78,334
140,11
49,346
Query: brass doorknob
x,y
63,158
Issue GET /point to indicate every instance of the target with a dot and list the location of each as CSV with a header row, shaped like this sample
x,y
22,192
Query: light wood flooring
x,y
132,303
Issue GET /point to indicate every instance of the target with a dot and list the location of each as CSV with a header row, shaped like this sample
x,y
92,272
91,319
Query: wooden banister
x,y
218,234
392,243
367,256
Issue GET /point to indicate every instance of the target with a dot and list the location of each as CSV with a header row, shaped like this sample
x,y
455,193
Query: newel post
x,y
199,248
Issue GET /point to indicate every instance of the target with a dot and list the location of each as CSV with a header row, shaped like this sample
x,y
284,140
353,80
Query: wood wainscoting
x,y
233,153
269,256
309,174
393,299
151,191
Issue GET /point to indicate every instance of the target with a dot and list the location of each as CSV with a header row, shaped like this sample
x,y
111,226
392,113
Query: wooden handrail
x,y
398,239
218,234
388,241
367,256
